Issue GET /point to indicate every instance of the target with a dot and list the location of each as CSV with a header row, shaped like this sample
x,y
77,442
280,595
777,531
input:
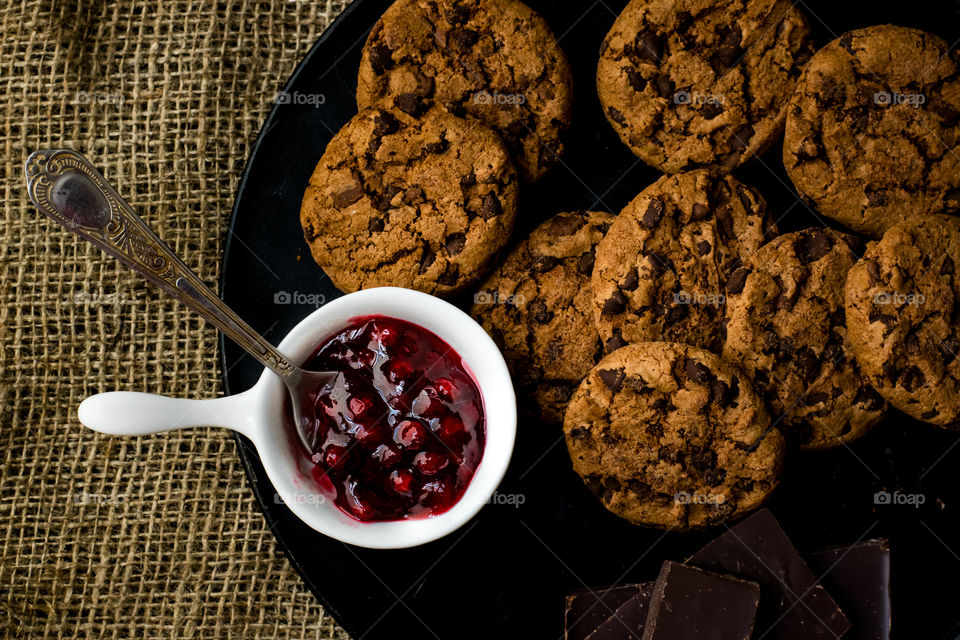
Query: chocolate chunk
x,y
562,225
615,341
586,262
697,371
813,245
408,103
637,81
491,206
649,47
385,123
455,243
440,147
808,364
463,38
912,378
688,602
628,620
540,313
858,576
615,304
348,196
711,110
380,58
450,276
868,396
791,601
426,260
947,267
468,180
651,217
616,116
703,247
665,87
699,211
630,281
586,610
737,280
375,225
729,52
613,378
542,264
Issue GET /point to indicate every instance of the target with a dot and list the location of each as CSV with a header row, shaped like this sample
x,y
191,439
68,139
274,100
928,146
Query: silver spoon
x,y
65,186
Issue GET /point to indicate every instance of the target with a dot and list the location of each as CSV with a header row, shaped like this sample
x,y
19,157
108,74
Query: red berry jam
x,y
399,433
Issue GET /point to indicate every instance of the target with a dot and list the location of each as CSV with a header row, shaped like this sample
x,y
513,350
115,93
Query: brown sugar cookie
x,y
667,435
424,203
787,329
903,317
538,308
701,82
873,128
662,268
495,60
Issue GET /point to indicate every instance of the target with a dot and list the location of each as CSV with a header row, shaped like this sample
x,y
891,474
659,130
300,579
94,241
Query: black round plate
x,y
507,571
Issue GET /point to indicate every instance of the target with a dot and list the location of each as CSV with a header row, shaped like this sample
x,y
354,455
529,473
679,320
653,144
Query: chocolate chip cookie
x,y
872,131
662,268
424,203
704,82
903,317
668,435
786,327
495,60
538,309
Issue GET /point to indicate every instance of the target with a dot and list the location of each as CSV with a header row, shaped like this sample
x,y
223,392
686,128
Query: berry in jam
x,y
400,432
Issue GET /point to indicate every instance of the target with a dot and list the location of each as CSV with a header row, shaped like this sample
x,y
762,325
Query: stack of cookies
x,y
459,101
684,344
716,342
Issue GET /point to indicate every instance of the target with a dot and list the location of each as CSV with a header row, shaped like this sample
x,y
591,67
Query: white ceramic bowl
x,y
259,414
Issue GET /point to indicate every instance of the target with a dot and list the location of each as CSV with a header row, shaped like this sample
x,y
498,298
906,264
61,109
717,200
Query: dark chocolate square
x,y
692,603
586,610
628,620
793,604
858,576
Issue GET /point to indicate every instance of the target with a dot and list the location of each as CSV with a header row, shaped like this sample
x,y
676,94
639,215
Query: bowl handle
x,y
131,413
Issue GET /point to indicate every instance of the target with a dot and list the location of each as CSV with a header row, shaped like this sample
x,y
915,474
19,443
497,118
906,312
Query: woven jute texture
x,y
150,537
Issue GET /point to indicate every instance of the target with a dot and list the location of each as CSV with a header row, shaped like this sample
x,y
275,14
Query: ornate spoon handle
x,y
65,186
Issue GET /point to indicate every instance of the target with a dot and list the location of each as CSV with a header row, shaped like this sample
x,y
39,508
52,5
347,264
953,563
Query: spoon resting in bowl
x,y
65,186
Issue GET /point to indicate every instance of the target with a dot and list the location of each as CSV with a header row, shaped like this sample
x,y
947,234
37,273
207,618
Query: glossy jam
x,y
400,432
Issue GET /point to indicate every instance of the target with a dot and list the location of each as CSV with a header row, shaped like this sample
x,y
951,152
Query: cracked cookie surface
x,y
663,265
786,327
694,83
871,132
424,203
537,307
495,60
667,435
903,315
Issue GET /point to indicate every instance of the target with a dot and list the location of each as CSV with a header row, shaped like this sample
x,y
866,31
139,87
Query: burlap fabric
x,y
152,537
